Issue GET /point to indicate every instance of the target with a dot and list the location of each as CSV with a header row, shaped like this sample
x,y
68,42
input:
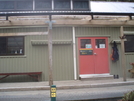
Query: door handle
x,y
95,54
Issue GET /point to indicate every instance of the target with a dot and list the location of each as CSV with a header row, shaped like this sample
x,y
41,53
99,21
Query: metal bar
x,y
6,17
92,17
36,78
130,17
4,77
24,13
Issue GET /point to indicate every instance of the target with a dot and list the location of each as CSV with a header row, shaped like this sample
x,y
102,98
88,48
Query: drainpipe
x,y
74,54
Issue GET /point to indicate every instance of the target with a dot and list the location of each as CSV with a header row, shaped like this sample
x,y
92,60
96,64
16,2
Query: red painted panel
x,y
97,63
86,62
101,58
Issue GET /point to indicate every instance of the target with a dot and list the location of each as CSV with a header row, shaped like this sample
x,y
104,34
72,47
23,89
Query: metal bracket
x,y
6,17
122,37
50,23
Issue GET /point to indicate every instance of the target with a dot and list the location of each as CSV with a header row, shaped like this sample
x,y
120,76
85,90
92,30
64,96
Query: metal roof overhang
x,y
35,13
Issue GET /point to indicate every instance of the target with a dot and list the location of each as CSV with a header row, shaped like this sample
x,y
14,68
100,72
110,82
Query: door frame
x,y
77,52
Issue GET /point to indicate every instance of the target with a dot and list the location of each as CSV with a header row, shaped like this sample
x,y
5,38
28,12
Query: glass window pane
x,y
100,43
85,43
2,45
80,4
62,4
15,45
129,44
42,5
6,5
24,5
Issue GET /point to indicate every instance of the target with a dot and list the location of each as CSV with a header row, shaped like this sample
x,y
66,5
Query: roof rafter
x,y
67,23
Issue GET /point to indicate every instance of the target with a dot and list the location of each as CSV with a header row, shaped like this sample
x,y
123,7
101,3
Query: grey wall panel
x,y
63,62
36,57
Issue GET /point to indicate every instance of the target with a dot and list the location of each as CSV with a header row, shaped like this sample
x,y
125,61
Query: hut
x,y
83,33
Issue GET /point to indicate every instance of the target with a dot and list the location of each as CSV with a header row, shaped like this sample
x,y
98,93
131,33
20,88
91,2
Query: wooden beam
x,y
94,22
123,63
66,22
23,34
128,32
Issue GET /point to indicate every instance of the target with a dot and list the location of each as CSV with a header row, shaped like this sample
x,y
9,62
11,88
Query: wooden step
x,y
96,77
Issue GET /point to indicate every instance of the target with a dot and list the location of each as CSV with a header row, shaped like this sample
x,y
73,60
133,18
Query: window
x,y
43,5
85,43
24,5
12,5
100,43
81,5
11,46
129,44
62,5
7,5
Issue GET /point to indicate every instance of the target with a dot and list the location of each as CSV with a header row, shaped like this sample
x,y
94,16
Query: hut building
x,y
83,33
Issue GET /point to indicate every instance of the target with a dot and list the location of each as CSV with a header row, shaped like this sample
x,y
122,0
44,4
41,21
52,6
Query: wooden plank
x,y
94,22
23,34
26,73
123,63
128,32
66,22
31,74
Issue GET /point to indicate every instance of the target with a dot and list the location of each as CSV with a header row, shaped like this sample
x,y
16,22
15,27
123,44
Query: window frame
x,y
7,54
125,44
81,9
86,42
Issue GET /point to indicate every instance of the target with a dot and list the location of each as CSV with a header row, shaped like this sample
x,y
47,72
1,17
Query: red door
x,y
93,55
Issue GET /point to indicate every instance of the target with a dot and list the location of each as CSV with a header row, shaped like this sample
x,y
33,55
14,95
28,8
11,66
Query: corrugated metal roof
x,y
97,8
124,7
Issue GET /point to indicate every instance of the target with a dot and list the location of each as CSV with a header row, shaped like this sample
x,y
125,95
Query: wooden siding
x,y
36,57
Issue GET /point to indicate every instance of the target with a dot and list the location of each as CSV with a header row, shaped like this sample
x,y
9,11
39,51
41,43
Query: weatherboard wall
x,y
36,57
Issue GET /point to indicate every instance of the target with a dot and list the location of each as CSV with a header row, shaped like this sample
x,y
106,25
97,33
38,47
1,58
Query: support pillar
x,y
50,69
123,63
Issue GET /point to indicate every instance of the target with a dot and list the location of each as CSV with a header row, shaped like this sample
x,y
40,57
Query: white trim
x,y
74,54
128,32
52,4
89,4
33,4
71,4
95,75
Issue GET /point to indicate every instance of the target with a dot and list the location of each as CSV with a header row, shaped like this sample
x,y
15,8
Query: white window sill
x,y
132,53
17,56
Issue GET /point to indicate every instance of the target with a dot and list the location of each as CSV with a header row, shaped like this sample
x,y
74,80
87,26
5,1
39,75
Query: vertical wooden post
x,y
50,51
123,64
